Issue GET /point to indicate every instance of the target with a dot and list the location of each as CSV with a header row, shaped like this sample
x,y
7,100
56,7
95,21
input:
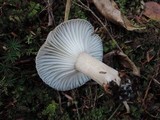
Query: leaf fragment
x,y
152,10
123,59
109,9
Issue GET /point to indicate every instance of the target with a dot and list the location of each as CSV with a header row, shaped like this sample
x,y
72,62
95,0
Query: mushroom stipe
x,y
72,55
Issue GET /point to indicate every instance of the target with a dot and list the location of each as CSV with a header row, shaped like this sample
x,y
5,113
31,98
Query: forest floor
x,y
24,96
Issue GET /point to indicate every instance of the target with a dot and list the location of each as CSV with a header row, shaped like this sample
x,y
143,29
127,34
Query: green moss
x,y
77,12
50,110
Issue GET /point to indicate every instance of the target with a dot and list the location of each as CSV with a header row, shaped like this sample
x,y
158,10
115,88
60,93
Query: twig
x,y
101,95
23,61
146,93
50,13
152,115
67,10
60,102
95,97
75,102
67,96
126,106
114,112
156,81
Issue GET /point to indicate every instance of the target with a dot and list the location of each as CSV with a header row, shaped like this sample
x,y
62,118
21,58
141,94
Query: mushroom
x,y
72,55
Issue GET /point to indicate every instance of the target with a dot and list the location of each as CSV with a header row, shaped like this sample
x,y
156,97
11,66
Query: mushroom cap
x,y
55,61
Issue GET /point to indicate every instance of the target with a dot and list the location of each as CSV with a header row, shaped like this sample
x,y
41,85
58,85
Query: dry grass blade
x,y
146,92
110,118
126,106
67,10
60,102
50,13
68,96
157,118
156,81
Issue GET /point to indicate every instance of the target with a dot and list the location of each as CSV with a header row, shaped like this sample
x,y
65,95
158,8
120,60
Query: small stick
x,y
67,10
157,118
60,102
114,112
126,106
50,13
77,110
156,81
146,93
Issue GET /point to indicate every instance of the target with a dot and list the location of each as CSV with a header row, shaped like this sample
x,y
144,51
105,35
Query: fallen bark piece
x,y
109,9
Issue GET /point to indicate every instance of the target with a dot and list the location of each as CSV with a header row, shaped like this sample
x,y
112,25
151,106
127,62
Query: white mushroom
x,y
72,55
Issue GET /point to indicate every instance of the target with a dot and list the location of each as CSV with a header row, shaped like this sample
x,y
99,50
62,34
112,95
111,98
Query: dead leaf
x,y
109,9
128,63
152,10
108,58
123,59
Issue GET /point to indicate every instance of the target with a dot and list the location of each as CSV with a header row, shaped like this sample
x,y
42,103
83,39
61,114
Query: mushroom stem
x,y
96,70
